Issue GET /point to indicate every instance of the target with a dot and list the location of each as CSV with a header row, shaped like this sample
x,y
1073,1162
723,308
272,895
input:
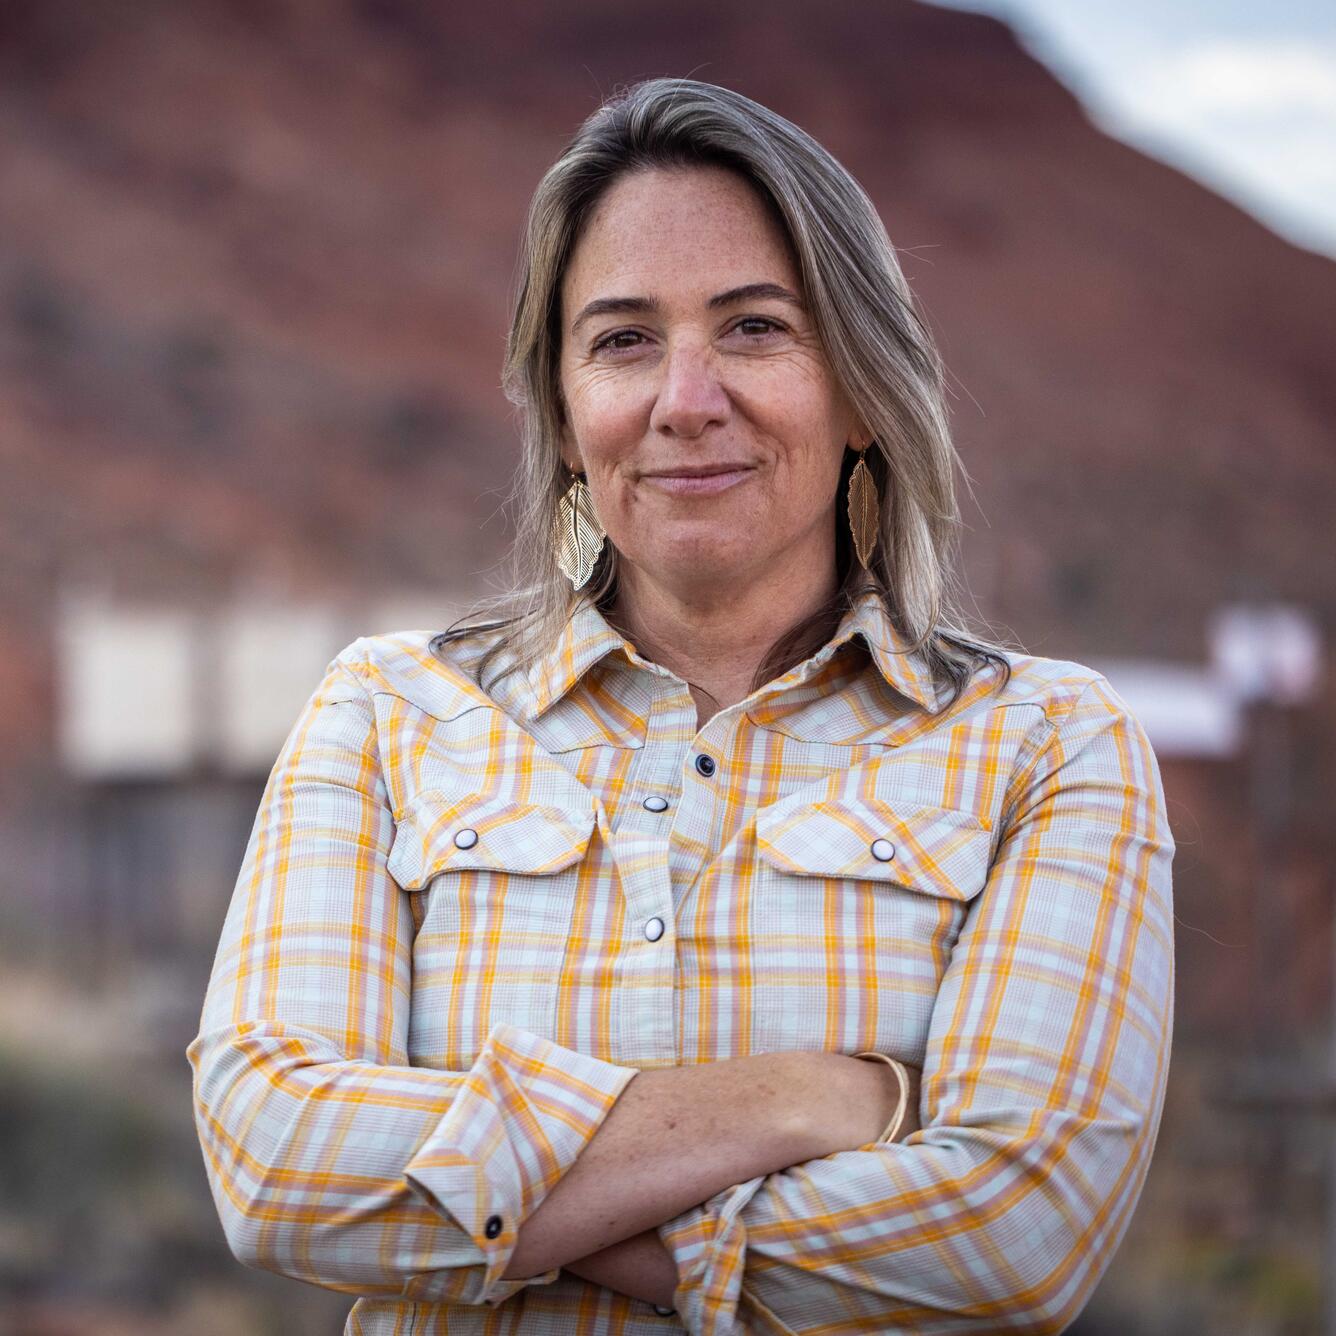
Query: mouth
x,y
698,480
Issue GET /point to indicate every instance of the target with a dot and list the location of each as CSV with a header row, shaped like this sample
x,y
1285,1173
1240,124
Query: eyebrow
x,y
629,305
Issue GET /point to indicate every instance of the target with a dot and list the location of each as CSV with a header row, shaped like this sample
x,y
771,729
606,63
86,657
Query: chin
x,y
722,559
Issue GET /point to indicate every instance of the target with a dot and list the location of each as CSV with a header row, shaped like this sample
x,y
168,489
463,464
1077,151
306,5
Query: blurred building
x,y
256,265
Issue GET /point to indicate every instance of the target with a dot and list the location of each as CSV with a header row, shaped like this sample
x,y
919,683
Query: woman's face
x,y
699,402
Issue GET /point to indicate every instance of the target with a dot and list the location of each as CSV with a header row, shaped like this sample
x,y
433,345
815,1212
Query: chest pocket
x,y
935,851
494,883
857,906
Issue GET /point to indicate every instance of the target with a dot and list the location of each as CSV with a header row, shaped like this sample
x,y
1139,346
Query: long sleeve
x,y
331,1158
1044,1080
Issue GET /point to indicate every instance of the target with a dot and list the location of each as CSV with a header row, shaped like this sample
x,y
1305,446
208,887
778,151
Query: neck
x,y
713,635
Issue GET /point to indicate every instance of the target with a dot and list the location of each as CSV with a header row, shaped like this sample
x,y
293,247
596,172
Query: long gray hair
x,y
878,349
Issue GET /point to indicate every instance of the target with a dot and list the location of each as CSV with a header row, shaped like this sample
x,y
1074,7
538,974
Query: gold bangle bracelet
x,y
901,1076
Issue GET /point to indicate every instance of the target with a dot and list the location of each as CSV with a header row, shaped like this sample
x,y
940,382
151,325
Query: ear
x,y
570,454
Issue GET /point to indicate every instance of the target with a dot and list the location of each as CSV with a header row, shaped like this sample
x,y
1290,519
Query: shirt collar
x,y
903,667
588,638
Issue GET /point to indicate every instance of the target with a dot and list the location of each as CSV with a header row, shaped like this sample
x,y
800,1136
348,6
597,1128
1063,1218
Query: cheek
x,y
798,410
807,468
607,425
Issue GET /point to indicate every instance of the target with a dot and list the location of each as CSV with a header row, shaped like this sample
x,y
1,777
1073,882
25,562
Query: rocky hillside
x,y
256,262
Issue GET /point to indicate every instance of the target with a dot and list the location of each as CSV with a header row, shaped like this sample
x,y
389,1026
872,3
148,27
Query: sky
x,y
1240,94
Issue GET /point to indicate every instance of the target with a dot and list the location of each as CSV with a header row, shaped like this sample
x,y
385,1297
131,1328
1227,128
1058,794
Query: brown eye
x,y
769,325
610,340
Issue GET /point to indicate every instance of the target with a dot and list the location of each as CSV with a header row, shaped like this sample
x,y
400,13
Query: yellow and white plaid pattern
x,y
465,920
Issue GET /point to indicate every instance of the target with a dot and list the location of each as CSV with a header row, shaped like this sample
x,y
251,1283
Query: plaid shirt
x,y
465,920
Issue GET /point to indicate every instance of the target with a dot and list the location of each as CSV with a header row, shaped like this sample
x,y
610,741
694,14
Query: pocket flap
x,y
939,851
441,832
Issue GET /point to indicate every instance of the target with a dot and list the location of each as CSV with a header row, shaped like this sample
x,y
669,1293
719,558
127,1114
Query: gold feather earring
x,y
577,534
864,509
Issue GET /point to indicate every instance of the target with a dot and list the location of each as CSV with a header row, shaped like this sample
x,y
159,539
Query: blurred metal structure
x,y
1271,658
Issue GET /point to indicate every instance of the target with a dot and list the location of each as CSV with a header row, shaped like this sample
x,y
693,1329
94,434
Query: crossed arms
x,y
678,1135
334,1160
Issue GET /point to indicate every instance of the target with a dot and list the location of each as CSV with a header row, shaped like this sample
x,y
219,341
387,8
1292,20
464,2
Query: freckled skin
x,y
687,384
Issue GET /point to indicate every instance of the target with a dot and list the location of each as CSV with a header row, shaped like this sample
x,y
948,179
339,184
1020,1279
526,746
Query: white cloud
x,y
1228,77
1240,95
1257,119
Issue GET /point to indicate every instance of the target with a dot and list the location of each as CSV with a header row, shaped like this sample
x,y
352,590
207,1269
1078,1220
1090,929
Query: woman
x,y
566,942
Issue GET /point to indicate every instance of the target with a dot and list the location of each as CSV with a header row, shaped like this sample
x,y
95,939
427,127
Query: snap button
x,y
883,850
705,765
664,1312
655,804
654,929
493,1226
466,838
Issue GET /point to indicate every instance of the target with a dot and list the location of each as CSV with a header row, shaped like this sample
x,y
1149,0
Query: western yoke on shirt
x,y
465,919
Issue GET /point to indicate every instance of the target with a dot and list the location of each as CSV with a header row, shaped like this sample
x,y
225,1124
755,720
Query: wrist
x,y
903,1084
827,1091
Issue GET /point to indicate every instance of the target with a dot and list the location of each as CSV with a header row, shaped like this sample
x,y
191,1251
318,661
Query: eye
x,y
771,326
610,340
617,340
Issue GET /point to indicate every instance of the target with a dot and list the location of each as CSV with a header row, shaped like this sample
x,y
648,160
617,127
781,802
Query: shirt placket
x,y
647,970
669,829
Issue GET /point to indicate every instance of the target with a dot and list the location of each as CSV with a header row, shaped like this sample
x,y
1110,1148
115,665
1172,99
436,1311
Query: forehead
x,y
673,229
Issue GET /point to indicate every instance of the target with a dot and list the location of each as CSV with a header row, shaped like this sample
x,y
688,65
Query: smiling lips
x,y
700,480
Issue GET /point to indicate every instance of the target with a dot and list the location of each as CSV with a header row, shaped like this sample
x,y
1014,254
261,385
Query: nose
x,y
691,396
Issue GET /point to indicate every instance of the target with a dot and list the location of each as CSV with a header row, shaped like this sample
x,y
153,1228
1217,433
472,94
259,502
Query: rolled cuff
x,y
709,1245
525,1110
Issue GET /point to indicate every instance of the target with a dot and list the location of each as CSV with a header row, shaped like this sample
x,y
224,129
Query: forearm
x,y
676,1136
639,1266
